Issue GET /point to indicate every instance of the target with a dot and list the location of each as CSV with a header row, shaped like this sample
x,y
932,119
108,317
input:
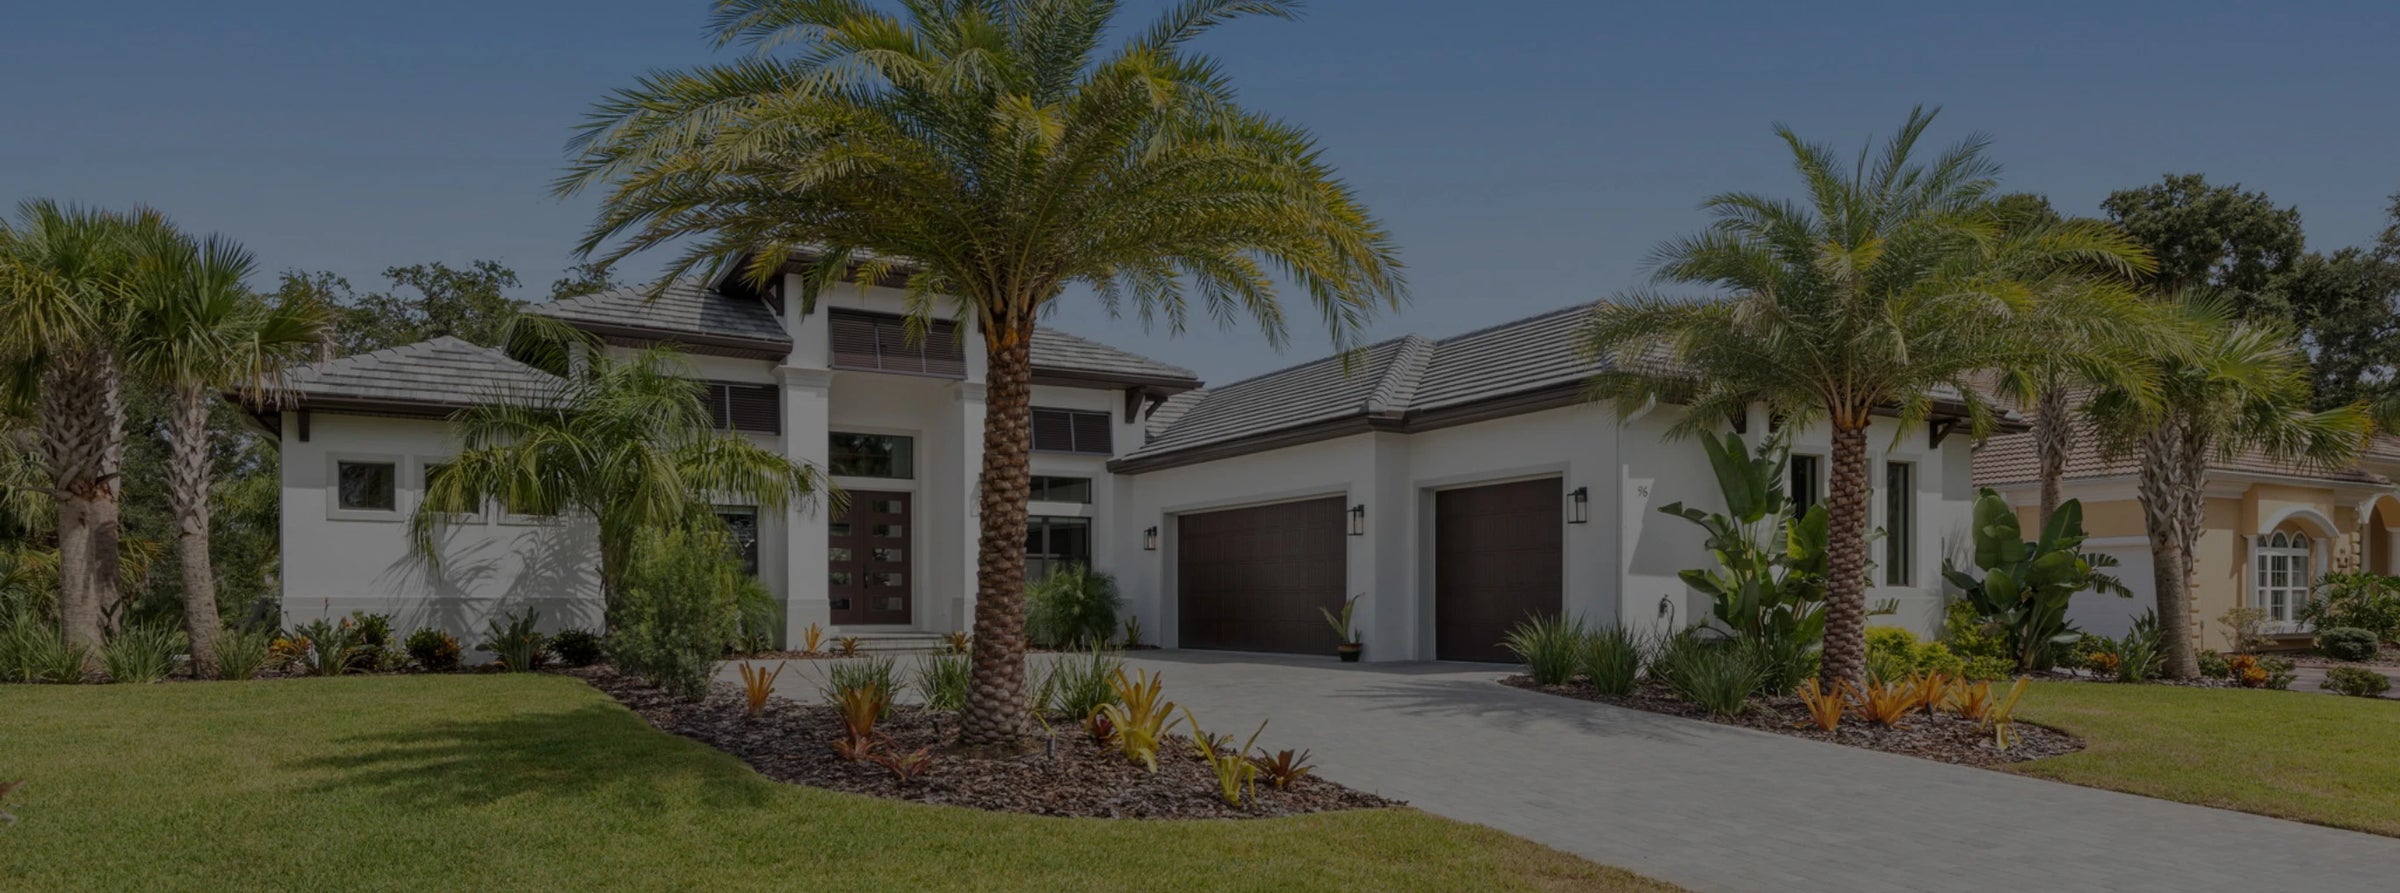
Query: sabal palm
x,y
624,442
2228,388
1883,293
990,154
65,285
196,330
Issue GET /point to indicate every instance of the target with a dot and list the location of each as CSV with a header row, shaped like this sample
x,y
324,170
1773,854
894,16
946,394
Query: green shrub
x,y
242,652
2213,664
433,649
2357,682
2365,601
2139,655
2347,643
1551,647
1073,607
143,652
32,651
1782,663
1078,684
2279,672
880,671
1971,636
1612,659
1983,669
332,647
516,641
942,681
576,647
1718,675
372,636
1894,654
681,602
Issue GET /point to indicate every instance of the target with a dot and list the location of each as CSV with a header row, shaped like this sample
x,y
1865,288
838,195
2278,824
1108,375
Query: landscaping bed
x,y
2386,656
1069,775
1933,736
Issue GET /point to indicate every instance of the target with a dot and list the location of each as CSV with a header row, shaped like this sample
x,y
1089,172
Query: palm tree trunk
x,y
2169,485
996,714
83,425
187,485
2053,437
1845,653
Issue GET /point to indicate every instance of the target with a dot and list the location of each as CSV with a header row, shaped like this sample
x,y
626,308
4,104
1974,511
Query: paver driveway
x,y
1717,808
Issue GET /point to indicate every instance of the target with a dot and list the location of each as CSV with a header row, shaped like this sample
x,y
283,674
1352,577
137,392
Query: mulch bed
x,y
2388,656
1931,736
1069,776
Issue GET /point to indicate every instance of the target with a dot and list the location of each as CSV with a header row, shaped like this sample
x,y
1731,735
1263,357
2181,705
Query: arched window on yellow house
x,y
2285,568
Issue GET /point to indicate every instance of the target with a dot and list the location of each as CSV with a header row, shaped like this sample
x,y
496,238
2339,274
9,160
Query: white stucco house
x,y
1458,483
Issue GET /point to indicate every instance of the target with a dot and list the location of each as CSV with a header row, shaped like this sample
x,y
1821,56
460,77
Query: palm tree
x,y
196,329
65,280
2229,388
626,442
989,154
1885,292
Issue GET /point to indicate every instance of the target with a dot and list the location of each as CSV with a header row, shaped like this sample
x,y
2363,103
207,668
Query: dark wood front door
x,y
868,559
1252,579
1496,561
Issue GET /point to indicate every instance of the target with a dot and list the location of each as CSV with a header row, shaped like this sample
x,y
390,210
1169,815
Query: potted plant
x,y
1352,643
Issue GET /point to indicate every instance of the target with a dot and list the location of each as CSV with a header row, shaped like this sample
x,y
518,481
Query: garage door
x,y
1252,579
1496,561
2107,615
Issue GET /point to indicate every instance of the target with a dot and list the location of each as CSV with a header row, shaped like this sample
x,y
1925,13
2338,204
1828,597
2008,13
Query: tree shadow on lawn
x,y
594,752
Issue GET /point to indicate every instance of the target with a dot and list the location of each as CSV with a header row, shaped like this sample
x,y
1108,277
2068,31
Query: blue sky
x,y
1526,154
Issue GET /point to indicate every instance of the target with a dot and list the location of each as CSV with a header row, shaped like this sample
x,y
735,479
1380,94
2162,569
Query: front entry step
x,y
905,642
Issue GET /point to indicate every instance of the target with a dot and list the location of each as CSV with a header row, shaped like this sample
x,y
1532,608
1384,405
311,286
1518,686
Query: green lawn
x,y
539,782
2315,758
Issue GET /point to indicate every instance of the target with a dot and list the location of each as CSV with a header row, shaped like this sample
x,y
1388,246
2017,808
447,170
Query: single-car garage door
x,y
1252,579
1496,561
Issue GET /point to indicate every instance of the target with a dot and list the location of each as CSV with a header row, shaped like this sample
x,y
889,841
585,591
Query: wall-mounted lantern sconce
x,y
1579,505
1358,520
1150,540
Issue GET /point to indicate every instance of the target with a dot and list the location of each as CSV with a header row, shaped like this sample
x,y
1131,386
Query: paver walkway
x,y
1717,808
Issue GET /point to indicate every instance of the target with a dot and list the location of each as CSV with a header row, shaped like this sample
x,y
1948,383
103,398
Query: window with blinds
x,y
880,342
738,406
1071,431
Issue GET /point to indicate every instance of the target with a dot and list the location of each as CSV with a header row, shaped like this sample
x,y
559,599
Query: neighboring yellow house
x,y
2270,530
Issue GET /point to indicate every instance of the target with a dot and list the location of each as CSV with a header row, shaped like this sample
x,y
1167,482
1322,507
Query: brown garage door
x,y
1252,579
1496,561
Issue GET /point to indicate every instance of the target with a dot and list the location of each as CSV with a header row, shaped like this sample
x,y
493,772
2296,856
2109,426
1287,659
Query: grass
x,y
2309,757
539,782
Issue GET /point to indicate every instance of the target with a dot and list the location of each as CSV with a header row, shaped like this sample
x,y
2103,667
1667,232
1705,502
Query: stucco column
x,y
807,402
1397,614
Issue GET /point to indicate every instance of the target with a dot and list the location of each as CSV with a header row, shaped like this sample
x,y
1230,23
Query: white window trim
x,y
333,487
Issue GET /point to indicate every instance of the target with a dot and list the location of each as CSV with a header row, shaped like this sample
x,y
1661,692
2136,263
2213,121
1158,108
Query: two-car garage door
x,y
1253,579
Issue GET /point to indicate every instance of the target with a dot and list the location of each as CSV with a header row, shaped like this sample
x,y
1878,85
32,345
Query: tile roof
x,y
1058,351
2009,459
1391,380
445,372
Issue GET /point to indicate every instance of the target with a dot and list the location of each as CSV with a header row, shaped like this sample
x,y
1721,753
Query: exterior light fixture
x,y
1358,520
1150,540
1579,505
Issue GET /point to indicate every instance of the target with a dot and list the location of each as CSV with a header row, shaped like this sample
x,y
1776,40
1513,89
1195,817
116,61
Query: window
x,y
1061,489
2284,575
741,526
1899,523
367,486
874,456
1070,431
744,407
880,342
1803,487
1052,543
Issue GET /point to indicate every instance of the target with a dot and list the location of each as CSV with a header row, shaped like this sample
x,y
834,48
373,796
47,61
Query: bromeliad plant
x,y
2024,586
757,685
1141,717
1282,768
1237,776
1769,582
1825,706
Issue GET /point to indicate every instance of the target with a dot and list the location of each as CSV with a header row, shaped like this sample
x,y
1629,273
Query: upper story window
x,y
1071,431
744,407
1049,488
880,342
368,486
2284,572
873,456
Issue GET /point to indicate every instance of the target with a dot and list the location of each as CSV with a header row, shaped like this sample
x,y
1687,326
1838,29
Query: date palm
x,y
989,154
65,283
1883,293
2230,387
196,330
624,442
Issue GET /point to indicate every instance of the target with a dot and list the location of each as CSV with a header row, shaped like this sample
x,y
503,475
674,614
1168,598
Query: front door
x,y
867,559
